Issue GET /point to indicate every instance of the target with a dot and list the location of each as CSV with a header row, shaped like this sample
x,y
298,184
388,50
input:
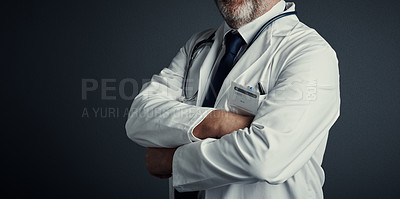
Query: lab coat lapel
x,y
245,62
266,45
207,65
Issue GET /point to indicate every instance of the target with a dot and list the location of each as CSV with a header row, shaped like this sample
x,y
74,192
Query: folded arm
x,y
215,125
283,136
219,123
157,118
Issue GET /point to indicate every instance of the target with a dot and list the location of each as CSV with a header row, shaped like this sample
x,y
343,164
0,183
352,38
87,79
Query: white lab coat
x,y
280,155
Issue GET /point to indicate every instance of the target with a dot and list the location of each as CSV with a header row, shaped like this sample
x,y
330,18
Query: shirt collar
x,y
249,30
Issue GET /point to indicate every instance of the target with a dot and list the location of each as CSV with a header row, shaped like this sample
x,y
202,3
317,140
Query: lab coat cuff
x,y
176,177
197,120
182,167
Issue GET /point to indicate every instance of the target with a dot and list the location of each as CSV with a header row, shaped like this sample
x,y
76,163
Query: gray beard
x,y
245,12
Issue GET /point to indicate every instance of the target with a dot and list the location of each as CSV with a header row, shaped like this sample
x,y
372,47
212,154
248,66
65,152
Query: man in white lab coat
x,y
266,130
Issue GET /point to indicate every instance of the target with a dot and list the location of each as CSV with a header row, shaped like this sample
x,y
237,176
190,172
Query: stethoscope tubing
x,y
211,40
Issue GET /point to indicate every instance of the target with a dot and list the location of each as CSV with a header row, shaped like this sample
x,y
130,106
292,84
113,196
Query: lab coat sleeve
x,y
291,123
157,118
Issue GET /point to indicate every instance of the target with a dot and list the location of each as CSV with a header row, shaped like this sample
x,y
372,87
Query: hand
x,y
219,123
159,161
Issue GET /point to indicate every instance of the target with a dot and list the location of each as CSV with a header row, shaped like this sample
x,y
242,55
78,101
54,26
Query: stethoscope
x,y
209,41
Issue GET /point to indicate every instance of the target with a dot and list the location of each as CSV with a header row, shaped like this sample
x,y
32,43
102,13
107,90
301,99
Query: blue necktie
x,y
233,42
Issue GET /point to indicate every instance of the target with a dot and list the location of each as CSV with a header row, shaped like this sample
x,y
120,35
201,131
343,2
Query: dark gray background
x,y
48,47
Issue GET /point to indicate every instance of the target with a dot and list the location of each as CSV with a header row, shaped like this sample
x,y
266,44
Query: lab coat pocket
x,y
242,100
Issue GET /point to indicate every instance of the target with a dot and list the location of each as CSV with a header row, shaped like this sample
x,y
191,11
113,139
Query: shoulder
x,y
306,50
303,48
196,38
304,39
